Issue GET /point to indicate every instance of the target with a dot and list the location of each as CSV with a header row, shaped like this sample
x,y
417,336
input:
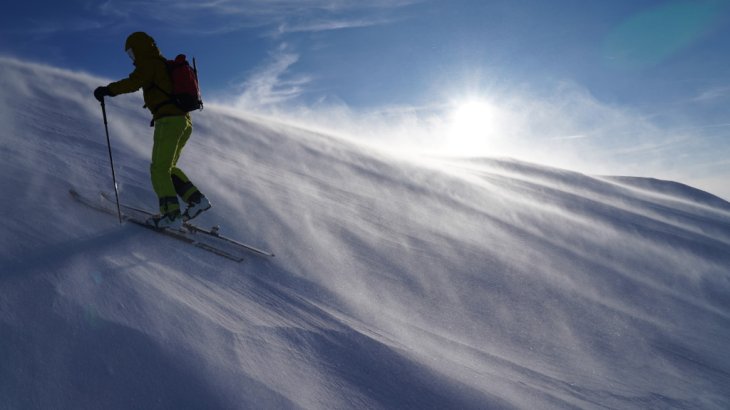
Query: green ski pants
x,y
169,181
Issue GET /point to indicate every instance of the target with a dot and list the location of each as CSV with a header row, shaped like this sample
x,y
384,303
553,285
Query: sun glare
x,y
472,125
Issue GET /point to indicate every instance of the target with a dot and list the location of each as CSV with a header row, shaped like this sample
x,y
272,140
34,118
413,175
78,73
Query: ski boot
x,y
171,220
196,206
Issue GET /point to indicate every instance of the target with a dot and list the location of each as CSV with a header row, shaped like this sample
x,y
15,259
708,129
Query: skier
x,y
173,127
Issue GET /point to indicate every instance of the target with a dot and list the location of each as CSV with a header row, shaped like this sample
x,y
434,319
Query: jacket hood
x,y
142,45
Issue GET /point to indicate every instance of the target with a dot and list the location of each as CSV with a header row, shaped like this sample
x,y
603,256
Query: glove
x,y
101,92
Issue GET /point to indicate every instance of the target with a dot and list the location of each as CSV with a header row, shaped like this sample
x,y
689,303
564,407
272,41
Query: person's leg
x,y
168,134
184,188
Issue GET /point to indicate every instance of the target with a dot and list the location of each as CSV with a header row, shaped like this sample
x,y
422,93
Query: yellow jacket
x,y
150,74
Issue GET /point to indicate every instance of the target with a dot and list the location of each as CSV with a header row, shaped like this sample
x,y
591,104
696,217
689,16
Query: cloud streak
x,y
328,25
270,85
287,16
713,94
46,28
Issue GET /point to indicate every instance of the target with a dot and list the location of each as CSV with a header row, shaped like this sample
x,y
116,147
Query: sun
x,y
471,126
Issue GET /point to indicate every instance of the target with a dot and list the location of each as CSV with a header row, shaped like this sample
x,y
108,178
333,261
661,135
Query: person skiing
x,y
173,128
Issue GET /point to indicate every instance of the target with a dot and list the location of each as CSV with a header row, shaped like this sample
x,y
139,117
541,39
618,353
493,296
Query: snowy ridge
x,y
485,283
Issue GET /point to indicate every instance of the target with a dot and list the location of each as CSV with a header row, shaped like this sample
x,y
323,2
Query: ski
x,y
179,235
212,232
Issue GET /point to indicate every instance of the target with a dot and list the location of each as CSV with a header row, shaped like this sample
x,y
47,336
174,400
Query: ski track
x,y
398,283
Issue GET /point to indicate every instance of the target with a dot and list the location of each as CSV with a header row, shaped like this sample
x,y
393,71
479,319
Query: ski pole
x,y
111,160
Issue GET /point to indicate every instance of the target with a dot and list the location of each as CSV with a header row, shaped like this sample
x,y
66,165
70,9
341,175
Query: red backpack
x,y
185,89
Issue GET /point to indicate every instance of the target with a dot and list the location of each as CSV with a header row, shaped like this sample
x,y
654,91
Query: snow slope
x,y
482,283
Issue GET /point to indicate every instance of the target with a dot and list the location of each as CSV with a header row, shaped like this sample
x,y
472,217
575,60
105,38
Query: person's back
x,y
173,128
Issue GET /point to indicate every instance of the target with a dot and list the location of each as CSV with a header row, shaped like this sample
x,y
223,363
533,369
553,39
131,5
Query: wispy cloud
x,y
263,7
286,16
329,25
271,85
45,28
713,94
569,137
110,8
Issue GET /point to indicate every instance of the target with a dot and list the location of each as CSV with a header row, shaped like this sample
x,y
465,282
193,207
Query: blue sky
x,y
620,87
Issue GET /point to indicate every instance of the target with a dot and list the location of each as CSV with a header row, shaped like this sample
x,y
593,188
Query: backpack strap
x,y
154,85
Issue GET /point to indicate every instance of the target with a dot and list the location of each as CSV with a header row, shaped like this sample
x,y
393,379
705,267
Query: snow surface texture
x,y
484,283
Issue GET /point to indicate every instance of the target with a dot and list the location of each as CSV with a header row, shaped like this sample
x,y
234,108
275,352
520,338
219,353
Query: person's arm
x,y
139,78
